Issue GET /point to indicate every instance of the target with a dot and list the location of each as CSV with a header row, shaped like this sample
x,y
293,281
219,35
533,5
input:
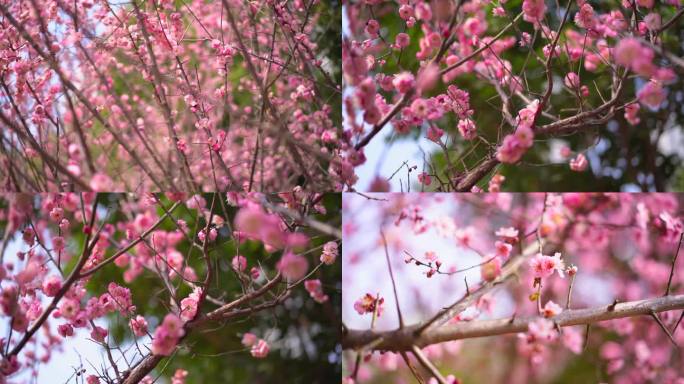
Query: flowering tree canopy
x,y
575,287
247,282
567,96
168,95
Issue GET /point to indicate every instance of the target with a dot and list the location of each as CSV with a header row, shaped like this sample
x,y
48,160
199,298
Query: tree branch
x,y
404,340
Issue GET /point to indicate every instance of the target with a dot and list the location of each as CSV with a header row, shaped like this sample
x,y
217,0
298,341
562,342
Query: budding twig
x,y
508,270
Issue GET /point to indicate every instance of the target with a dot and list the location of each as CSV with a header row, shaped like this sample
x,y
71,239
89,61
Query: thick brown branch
x,y
404,340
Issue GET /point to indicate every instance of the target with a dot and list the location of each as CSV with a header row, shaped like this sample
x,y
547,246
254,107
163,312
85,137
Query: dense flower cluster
x,y
57,245
441,70
160,96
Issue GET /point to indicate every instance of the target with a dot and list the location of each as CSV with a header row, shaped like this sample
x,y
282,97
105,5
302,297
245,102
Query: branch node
x,y
611,307
664,328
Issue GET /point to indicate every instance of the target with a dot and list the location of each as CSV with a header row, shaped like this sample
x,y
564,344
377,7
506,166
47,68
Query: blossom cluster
x,y
165,96
53,290
537,256
430,69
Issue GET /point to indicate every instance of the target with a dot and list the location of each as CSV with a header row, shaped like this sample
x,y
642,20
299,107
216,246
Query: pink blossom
x,y
572,80
239,263
533,10
424,178
138,325
525,39
632,113
64,224
372,28
611,350
292,266
503,249
406,11
58,243
98,334
167,335
459,101
69,308
117,298
579,163
431,256
369,304
434,133
404,82
572,339
653,21
427,78
101,182
315,289
551,309
665,76
508,234
51,285
28,236
495,183
260,349
499,11
402,40
544,266
585,17
542,330
464,236
423,11
379,184
372,115
188,306
467,129
249,339
651,95
179,376
330,252
526,115
212,234
631,53
511,150
65,330
57,214
627,50
419,108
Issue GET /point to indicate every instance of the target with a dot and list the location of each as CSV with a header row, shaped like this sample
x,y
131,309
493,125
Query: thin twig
x,y
674,260
394,284
428,365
